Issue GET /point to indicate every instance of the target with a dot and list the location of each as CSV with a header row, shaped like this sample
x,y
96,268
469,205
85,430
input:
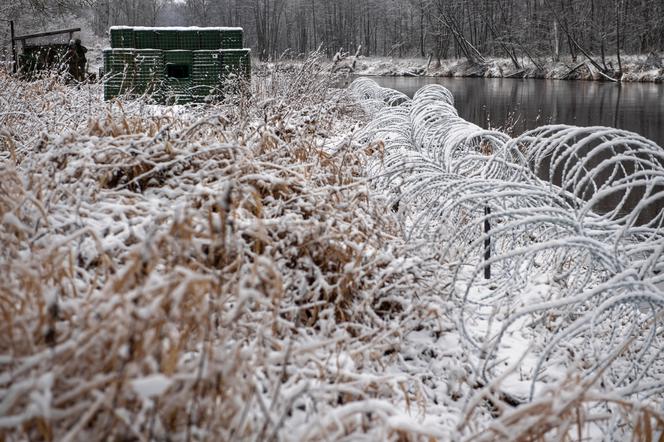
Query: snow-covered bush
x,y
204,273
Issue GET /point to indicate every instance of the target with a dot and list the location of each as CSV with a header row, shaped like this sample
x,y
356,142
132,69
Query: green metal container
x,y
179,56
168,39
122,37
119,72
231,38
178,76
190,39
236,63
206,73
210,38
149,75
175,65
145,39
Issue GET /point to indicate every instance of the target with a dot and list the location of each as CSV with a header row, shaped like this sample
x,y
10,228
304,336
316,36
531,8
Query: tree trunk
x,y
618,7
556,42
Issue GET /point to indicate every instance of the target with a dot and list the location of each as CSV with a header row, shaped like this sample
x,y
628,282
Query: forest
x,y
531,30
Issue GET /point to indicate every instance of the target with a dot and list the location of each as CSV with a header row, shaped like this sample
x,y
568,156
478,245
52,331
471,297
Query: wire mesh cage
x,y
174,65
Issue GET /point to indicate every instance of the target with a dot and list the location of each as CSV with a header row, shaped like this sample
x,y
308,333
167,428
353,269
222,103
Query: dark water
x,y
527,104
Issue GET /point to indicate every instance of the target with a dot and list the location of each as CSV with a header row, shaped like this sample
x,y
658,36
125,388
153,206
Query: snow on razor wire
x,y
579,208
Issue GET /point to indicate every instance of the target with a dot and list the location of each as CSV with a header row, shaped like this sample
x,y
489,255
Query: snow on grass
x,y
213,272
260,269
151,386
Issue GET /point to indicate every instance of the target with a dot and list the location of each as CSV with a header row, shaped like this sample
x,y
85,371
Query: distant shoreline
x,y
638,68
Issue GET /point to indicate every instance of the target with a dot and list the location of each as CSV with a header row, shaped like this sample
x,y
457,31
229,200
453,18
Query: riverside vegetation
x,y
235,271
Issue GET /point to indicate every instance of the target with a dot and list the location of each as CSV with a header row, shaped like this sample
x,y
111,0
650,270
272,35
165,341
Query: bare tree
x,y
583,30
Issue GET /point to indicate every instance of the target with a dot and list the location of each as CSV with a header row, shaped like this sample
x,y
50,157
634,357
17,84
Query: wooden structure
x,y
24,38
38,57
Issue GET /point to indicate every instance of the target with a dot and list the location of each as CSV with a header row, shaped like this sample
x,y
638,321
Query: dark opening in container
x,y
178,70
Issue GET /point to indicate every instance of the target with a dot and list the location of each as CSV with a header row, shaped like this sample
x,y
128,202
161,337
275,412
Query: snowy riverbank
x,y
635,68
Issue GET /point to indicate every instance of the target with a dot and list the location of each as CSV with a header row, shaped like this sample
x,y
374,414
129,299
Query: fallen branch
x,y
574,69
515,74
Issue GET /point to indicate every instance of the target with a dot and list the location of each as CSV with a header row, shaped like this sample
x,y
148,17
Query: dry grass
x,y
224,256
226,273
571,413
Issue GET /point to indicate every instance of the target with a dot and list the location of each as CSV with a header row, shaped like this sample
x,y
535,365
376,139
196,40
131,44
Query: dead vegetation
x,y
226,273
204,274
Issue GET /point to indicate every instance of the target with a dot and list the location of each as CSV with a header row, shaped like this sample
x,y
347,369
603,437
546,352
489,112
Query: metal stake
x,y
487,243
11,29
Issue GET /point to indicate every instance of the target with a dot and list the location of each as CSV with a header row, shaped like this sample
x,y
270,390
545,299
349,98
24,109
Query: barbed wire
x,y
577,207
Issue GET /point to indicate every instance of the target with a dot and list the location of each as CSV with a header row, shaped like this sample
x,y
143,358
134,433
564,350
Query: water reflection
x,y
526,104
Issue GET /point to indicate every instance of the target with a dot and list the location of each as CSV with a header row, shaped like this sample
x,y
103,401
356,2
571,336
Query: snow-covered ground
x,y
306,264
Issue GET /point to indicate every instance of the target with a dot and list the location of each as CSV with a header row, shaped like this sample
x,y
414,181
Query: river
x,y
516,105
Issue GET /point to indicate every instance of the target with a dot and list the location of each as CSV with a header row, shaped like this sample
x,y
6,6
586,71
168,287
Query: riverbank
x,y
636,68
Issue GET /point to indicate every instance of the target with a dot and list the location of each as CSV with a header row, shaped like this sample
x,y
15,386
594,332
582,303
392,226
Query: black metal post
x,y
487,243
11,30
